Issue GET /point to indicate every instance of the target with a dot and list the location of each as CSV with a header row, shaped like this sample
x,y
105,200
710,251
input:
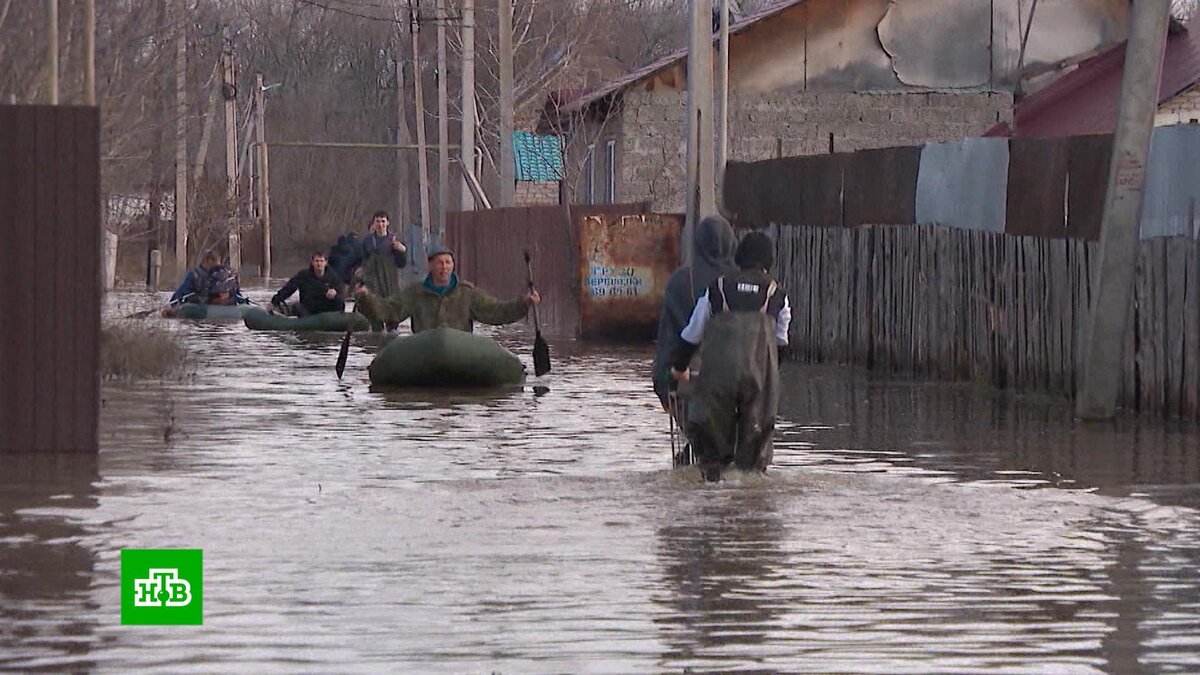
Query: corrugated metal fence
x,y
50,230
993,299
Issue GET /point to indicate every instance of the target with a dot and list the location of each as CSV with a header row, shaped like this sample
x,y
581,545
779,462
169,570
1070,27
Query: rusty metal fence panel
x,y
50,230
1037,185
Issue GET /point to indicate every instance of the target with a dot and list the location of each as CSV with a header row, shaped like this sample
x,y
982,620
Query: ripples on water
x,y
904,527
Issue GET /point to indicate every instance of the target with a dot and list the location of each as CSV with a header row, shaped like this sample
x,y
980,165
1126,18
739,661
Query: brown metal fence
x,y
489,247
50,307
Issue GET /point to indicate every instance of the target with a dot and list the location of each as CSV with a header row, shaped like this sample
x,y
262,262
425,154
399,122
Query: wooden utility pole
x,y
264,183
722,101
404,210
443,123
52,51
1113,275
229,91
467,143
181,152
508,168
700,198
89,52
419,101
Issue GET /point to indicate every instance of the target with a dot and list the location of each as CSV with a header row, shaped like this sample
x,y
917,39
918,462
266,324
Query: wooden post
x,y
52,51
404,210
181,153
467,135
443,124
700,198
228,77
508,168
1113,278
722,100
264,183
419,100
89,52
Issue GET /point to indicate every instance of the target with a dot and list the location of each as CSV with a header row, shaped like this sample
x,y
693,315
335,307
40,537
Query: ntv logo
x,y
162,587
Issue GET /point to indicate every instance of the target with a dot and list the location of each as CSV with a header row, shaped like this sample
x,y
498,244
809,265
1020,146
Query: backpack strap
x,y
770,293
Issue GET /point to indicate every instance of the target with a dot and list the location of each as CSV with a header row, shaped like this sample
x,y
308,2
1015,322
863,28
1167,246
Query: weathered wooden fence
x,y
50,230
996,308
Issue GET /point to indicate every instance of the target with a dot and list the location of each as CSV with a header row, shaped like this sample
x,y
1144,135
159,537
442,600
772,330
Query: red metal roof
x,y
1084,101
631,78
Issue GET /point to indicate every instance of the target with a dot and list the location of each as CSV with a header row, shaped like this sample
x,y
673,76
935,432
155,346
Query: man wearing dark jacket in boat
x,y
442,299
321,289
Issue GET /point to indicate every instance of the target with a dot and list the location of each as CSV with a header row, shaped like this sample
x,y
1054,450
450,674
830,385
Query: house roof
x,y
590,96
538,158
1084,101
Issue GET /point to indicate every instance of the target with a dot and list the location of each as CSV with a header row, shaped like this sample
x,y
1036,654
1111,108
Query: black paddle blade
x,y
345,351
541,355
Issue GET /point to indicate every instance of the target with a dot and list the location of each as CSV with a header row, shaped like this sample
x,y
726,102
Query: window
x,y
588,193
610,177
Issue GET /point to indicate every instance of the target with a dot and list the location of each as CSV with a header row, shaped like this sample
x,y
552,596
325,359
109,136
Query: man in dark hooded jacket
x,y
738,325
712,256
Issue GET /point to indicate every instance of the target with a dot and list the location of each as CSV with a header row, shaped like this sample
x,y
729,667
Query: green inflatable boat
x,y
215,313
445,357
258,319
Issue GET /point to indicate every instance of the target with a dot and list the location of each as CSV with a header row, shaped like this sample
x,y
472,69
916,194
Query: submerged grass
x,y
141,350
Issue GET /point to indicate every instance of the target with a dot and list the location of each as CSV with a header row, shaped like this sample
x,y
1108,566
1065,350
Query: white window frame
x,y
610,186
589,174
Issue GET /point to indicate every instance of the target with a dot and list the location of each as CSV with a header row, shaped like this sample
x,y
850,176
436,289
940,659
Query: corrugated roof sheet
x,y
1084,101
538,158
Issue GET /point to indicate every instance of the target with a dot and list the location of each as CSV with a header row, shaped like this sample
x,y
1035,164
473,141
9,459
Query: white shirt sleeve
x,y
782,322
694,331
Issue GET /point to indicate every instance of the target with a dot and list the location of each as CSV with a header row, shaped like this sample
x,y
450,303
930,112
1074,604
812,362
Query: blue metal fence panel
x,y
964,184
1172,184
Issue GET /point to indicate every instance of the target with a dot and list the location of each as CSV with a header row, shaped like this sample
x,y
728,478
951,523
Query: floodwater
x,y
916,527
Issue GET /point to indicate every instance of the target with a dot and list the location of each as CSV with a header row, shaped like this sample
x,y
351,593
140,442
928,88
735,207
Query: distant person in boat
x,y
321,289
345,256
712,256
442,299
209,283
738,326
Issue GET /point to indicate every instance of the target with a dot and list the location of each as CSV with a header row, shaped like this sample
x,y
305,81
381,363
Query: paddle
x,y
147,312
342,354
541,350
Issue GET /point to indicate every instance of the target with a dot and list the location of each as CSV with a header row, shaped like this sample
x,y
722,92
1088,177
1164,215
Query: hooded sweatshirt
x,y
712,256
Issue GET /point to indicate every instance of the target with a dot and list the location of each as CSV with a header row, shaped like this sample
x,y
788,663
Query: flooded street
x,y
904,526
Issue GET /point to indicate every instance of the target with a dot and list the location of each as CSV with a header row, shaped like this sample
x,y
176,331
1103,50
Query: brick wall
x,y
1181,109
533,193
652,150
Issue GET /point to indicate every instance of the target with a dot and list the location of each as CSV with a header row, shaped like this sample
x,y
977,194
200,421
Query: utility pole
x,y
52,51
181,153
404,208
443,123
700,197
229,91
467,136
422,149
1113,276
723,98
508,169
89,52
264,183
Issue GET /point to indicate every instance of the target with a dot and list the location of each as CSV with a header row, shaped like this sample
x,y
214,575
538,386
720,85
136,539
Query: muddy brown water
x,y
917,527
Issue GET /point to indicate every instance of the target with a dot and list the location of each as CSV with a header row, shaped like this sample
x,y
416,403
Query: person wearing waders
x,y
382,254
737,327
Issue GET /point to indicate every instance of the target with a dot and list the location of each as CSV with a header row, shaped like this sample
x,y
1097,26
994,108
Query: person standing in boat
x,y
737,326
443,299
321,289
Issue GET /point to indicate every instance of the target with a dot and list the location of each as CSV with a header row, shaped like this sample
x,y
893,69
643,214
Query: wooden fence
x,y
1002,309
50,229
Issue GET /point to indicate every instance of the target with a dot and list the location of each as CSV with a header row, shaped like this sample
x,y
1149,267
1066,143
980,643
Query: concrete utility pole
x,y
404,212
229,91
700,197
508,167
443,124
52,51
419,100
1113,276
467,151
181,153
264,173
89,52
723,97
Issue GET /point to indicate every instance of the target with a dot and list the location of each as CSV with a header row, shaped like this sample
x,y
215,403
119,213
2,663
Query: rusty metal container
x,y
624,264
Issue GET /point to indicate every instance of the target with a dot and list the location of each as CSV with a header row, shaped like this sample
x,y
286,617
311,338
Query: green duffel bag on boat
x,y
445,357
216,313
258,319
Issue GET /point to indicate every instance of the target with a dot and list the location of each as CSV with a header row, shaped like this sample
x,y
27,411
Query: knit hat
x,y
756,251
440,250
